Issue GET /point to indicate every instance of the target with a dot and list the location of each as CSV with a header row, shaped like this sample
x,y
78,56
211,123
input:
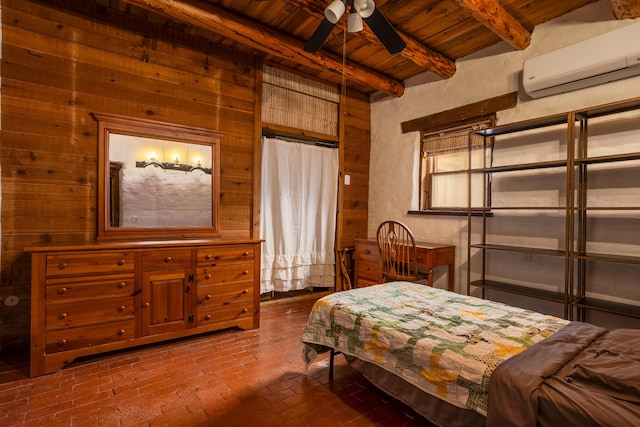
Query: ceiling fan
x,y
358,10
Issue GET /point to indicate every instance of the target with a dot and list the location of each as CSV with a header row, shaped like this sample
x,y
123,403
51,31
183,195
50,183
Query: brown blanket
x,y
583,375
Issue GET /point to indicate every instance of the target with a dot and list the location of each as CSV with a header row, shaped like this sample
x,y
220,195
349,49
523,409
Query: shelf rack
x,y
572,287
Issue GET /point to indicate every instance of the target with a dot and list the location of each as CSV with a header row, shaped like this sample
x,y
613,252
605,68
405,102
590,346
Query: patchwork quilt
x,y
444,343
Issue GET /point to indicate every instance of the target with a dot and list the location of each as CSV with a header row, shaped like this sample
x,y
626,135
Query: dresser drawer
x,y
158,260
88,312
369,270
225,273
89,263
225,294
82,288
211,315
88,336
232,253
368,251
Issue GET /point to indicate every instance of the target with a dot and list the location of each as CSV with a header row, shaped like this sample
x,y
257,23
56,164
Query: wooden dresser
x,y
94,297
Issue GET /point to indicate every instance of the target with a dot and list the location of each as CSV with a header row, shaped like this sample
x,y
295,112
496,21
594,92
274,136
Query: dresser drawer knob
x,y
207,317
121,332
62,342
244,273
145,305
62,316
245,310
62,265
245,254
207,257
245,291
122,262
367,252
62,291
168,259
207,276
121,308
207,296
121,285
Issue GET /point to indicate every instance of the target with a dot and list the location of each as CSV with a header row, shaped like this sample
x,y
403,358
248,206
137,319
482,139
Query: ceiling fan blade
x,y
319,36
385,32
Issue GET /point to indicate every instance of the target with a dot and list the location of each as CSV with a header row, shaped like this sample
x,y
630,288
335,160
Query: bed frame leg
x,y
333,354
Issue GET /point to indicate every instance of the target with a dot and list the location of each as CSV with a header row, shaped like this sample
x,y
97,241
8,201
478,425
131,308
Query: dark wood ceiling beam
x,y
415,51
625,9
461,115
220,21
497,19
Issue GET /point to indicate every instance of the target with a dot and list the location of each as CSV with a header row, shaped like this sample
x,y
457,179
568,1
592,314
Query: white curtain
x,y
298,215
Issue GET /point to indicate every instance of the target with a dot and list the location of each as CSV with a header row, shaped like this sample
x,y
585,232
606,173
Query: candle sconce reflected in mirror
x,y
175,165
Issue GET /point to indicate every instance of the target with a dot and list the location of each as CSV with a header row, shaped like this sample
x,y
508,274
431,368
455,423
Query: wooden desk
x,y
368,268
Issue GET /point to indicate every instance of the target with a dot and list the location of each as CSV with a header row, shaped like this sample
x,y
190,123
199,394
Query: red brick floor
x,y
233,378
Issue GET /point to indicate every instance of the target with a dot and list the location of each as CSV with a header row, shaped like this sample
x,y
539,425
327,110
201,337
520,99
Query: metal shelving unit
x,y
570,288
582,211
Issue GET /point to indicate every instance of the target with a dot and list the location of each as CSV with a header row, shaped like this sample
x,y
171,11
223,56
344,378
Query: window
x,y
444,168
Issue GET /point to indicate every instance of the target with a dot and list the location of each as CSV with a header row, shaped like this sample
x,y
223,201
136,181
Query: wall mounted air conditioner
x,y
612,56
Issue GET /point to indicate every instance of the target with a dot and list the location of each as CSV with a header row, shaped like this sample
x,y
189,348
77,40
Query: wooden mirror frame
x,y
112,124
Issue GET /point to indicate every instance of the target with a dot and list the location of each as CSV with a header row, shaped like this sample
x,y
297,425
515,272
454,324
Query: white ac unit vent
x,y
612,56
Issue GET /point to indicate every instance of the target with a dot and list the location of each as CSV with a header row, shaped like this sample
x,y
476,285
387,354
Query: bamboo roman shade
x,y
293,101
452,141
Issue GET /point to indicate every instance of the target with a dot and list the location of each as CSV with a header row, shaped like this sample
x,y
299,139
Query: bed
x,y
441,352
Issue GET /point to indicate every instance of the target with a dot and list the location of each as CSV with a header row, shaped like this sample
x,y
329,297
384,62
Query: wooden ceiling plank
x,y
492,15
625,9
464,39
249,33
415,51
438,18
534,12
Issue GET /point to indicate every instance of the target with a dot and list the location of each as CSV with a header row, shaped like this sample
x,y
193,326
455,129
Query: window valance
x,y
452,140
293,101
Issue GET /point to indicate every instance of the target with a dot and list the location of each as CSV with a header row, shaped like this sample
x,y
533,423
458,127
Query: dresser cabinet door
x,y
166,301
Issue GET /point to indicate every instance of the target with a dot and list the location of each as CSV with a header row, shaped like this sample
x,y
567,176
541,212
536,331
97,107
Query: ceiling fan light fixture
x,y
334,11
366,8
354,21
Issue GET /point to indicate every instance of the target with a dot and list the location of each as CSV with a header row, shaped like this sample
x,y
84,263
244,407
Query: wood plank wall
x,y
357,147
60,65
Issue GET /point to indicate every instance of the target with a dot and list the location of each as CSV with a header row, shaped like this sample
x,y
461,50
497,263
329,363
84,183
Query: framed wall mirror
x,y
156,180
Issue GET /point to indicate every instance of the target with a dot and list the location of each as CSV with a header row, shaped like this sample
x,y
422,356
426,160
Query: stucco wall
x,y
492,72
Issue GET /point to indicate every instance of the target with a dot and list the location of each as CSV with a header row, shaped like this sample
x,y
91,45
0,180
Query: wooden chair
x,y
398,253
